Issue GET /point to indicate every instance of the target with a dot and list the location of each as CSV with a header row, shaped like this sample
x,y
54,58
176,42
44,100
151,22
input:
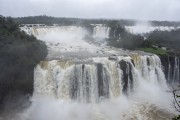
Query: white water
x,y
53,96
95,88
173,71
146,27
176,70
101,32
68,80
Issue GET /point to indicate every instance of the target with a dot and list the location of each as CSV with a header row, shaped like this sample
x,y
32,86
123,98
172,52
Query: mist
x,y
144,103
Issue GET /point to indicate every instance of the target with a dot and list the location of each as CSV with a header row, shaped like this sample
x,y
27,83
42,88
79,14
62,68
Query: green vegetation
x,y
169,39
19,54
157,51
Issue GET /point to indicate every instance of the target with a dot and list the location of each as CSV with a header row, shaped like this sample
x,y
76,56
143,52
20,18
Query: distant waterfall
x,y
41,31
141,29
101,79
172,69
101,32
176,69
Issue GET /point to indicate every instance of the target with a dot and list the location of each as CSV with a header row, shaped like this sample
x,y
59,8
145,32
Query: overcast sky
x,y
123,9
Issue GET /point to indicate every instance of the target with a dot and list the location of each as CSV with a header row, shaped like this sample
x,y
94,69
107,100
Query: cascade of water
x,y
176,70
102,79
116,85
42,31
101,32
169,71
98,31
178,76
140,29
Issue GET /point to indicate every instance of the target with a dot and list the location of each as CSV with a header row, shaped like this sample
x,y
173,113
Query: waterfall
x,y
100,79
101,32
84,72
82,81
42,31
146,28
172,69
176,70
169,71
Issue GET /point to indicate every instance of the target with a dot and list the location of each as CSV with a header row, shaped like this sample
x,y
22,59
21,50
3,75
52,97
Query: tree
x,y
19,54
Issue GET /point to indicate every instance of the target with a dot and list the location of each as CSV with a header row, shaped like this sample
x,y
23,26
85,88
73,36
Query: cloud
x,y
126,9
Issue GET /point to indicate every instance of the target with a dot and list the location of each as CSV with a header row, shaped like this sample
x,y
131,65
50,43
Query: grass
x,y
157,51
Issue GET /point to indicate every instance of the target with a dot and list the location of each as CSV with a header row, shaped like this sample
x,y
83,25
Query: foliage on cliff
x,y
19,54
170,39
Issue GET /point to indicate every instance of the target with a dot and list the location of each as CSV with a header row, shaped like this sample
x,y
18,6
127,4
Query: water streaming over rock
x,y
171,69
101,32
81,81
100,79
176,70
